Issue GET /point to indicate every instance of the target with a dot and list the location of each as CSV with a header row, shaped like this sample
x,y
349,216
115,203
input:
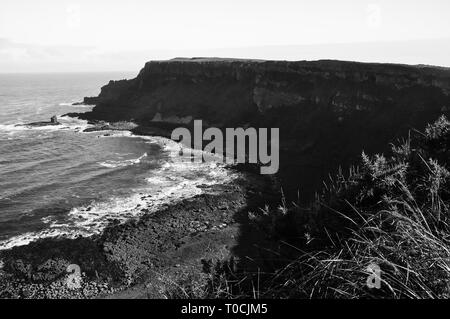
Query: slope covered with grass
x,y
391,211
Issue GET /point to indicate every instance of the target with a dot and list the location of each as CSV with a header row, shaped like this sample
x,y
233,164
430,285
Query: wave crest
x,y
124,163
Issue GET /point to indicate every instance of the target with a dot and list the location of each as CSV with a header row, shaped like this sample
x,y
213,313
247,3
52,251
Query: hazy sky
x,y
85,35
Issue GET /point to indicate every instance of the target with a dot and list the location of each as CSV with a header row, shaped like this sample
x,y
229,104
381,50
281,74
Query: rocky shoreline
x,y
159,129
136,257
327,111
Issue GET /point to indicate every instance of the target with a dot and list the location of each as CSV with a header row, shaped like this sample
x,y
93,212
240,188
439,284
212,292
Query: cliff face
x,y
327,111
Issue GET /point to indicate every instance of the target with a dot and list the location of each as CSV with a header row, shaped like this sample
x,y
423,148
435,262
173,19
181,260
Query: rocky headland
x,y
327,112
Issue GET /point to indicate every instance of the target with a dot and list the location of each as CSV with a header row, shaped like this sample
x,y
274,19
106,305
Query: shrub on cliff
x,y
392,212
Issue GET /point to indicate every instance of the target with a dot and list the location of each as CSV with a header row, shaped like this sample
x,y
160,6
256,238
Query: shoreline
x,y
85,219
125,255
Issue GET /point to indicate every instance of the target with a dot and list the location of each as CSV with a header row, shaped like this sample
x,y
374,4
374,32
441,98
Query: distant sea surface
x,y
59,181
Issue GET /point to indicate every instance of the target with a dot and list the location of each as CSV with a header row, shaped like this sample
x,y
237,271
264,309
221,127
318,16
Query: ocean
x,y
59,181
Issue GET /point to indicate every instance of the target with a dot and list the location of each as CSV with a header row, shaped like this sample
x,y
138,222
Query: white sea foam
x,y
10,128
72,104
73,123
115,164
177,179
26,238
67,123
113,133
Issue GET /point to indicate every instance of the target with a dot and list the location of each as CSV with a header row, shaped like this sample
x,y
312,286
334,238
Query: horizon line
x,y
221,58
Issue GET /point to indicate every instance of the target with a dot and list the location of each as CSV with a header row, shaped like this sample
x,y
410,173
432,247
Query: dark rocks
x,y
104,126
327,111
87,101
53,121
155,235
126,252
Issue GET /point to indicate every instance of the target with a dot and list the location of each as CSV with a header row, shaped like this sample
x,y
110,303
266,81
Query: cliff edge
x,y
327,111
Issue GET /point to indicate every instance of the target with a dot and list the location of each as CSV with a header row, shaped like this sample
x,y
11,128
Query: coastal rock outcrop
x,y
53,121
327,111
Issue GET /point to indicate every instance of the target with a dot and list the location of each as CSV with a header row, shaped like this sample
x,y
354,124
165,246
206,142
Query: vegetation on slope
x,y
389,211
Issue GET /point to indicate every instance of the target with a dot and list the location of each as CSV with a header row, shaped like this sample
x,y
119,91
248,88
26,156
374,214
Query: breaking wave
x,y
115,164
67,123
176,179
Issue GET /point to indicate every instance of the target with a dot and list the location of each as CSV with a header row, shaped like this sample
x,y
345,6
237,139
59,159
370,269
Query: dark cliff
x,y
327,111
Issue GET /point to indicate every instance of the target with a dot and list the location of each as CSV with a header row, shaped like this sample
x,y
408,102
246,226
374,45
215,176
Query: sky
x,y
113,35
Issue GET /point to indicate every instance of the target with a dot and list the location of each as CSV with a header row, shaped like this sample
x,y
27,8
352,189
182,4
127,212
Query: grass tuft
x,y
391,211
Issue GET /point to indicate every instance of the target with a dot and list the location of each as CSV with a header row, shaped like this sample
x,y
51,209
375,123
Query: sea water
x,y
60,181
